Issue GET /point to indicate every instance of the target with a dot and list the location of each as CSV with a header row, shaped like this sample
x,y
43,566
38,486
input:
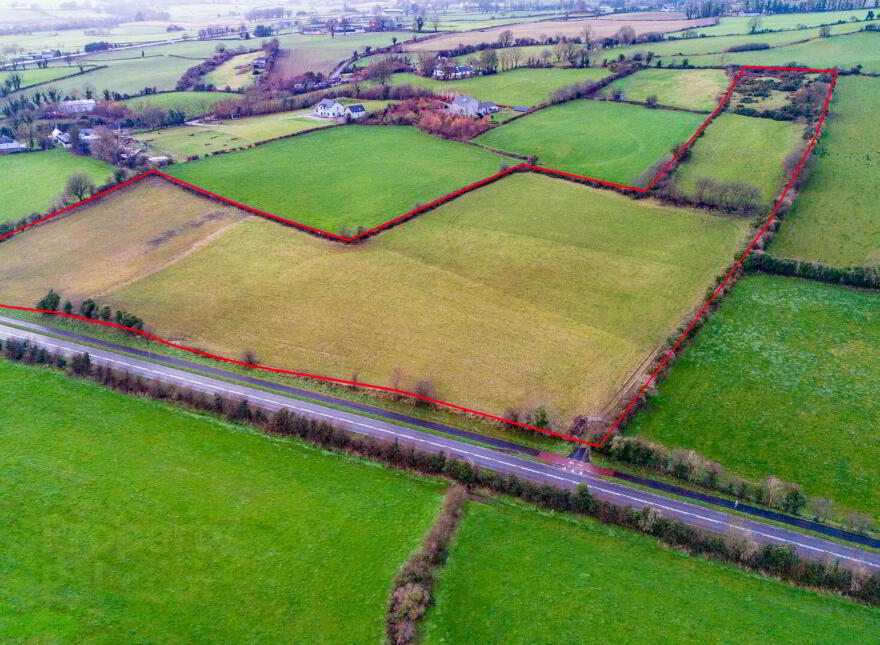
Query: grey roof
x,y
464,99
64,137
357,108
5,139
326,102
486,104
464,68
520,108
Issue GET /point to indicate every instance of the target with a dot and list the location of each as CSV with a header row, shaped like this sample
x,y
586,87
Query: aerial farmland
x,y
433,323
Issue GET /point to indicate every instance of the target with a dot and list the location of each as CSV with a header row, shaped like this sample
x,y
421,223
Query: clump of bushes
x,y
89,309
747,47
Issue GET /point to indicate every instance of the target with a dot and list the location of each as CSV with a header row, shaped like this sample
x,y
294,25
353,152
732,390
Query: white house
x,y
8,146
487,107
465,106
60,138
80,106
356,112
87,134
328,108
453,71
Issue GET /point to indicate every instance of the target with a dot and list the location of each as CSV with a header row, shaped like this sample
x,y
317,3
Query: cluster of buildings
x,y
453,72
31,57
332,109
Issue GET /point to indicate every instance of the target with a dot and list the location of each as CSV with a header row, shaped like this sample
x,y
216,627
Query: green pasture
x,y
601,139
126,520
741,148
343,177
30,182
835,219
698,89
513,572
527,87
781,381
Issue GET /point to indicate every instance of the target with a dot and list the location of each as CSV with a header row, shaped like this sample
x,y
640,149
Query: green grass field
x,y
697,89
695,47
671,50
527,292
517,87
834,220
234,73
192,103
30,182
781,381
740,25
184,141
742,148
33,76
515,575
125,520
838,51
343,177
611,141
129,76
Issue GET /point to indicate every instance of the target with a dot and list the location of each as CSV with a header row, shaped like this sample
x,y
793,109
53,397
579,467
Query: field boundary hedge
x,y
637,398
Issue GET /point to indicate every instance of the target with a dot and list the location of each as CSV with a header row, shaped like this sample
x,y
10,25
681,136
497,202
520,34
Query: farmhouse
x,y
356,112
8,145
328,108
60,138
444,72
465,106
80,106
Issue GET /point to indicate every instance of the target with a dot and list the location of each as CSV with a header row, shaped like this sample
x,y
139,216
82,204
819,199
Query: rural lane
x,y
491,458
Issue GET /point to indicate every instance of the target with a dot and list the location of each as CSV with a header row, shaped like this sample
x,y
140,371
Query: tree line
x,y
89,309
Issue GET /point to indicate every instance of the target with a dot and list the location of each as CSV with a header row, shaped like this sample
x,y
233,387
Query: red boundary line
x,y
665,169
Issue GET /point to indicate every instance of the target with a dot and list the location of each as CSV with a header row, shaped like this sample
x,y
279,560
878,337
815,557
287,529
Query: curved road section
x,y
495,459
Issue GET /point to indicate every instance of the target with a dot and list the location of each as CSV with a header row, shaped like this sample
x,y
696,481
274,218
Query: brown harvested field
x,y
645,15
130,233
301,54
602,28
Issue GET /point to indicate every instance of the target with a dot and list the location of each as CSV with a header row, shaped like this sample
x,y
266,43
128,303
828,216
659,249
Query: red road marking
x,y
633,401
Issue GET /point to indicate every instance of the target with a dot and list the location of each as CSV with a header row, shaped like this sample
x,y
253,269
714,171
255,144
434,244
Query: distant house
x,y
356,112
328,108
487,107
80,106
88,135
465,106
159,161
9,146
453,72
259,63
60,138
